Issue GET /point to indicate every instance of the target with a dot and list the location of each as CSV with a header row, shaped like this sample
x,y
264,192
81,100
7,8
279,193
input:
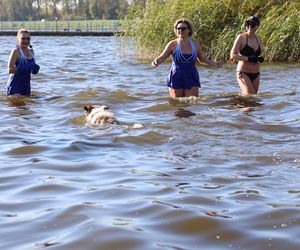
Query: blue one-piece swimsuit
x,y
184,74
19,82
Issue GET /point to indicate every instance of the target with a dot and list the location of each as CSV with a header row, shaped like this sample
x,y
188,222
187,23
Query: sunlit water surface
x,y
215,172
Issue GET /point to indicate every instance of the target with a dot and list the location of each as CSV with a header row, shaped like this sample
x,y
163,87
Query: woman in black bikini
x,y
247,51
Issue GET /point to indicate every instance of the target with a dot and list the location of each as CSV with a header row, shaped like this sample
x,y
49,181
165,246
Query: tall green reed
x,y
217,23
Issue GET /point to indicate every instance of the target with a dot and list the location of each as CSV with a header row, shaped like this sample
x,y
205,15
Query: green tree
x,y
65,9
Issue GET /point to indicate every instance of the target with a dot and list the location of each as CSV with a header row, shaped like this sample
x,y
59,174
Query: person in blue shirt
x,y
21,65
183,79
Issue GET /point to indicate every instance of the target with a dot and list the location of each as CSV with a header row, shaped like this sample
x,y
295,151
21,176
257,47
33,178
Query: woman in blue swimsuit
x,y
183,79
21,65
247,51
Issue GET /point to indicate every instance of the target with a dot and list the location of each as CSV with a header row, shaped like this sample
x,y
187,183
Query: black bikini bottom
x,y
252,76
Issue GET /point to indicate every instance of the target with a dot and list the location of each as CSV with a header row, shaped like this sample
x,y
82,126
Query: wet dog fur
x,y
99,115
96,115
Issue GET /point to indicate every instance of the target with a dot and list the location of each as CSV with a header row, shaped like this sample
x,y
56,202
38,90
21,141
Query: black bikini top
x,y
248,50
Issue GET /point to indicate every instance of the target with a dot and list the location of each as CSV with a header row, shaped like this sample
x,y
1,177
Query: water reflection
x,y
18,101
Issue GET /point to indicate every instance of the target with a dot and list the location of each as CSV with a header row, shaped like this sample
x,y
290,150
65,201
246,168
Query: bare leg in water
x,y
247,86
194,91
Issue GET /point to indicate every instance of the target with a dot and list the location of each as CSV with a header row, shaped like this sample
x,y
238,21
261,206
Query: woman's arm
x,y
234,53
14,55
164,55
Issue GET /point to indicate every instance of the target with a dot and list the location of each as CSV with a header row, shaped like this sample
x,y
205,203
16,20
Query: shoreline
x,y
66,33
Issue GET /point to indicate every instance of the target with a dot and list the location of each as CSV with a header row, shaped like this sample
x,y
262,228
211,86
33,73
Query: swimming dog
x,y
100,115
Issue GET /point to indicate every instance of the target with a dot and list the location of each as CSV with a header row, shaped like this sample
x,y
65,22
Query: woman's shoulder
x,y
172,44
259,40
15,52
241,38
258,37
242,35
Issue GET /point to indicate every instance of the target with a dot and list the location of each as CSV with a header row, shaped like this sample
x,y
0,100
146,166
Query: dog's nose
x,y
106,108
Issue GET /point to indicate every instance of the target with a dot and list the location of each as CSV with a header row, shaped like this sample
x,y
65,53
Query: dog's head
x,y
98,114
101,115
100,108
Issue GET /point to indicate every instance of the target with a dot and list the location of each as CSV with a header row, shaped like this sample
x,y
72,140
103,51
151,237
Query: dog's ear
x,y
88,108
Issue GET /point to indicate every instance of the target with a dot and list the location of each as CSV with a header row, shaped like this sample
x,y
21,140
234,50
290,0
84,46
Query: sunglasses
x,y
181,28
25,38
251,24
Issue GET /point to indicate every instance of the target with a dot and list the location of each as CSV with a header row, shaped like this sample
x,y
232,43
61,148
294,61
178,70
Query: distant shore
x,y
66,33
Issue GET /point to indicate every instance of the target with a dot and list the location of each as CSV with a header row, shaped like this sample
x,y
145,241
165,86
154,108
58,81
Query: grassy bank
x,y
217,23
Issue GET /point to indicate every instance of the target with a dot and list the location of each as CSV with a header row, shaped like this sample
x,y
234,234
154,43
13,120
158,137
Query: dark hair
x,y
187,22
252,20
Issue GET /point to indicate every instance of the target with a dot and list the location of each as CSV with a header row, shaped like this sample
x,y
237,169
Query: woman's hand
x,y
154,64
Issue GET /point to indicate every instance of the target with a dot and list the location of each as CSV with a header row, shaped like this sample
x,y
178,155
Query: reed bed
x,y
217,23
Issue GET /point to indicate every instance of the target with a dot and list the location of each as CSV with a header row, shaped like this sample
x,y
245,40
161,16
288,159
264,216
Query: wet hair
x,y
187,22
252,20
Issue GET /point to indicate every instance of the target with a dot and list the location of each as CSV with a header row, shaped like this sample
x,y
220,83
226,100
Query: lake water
x,y
225,178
